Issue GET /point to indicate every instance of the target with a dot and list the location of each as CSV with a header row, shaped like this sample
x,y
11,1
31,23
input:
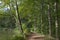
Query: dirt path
x,y
34,36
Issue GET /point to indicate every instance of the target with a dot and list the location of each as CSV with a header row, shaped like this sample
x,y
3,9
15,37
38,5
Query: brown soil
x,y
35,36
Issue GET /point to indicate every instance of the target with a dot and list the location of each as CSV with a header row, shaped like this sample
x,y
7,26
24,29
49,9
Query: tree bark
x,y
19,18
49,19
42,11
56,19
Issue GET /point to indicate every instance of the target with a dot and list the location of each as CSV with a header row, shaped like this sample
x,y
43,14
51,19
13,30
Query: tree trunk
x,y
42,11
56,19
49,19
19,18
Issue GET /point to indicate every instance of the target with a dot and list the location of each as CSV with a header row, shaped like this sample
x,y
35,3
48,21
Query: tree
x,y
49,19
57,18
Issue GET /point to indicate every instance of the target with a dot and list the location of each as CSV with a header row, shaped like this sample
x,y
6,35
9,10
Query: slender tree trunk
x,y
56,19
49,19
42,11
19,18
56,23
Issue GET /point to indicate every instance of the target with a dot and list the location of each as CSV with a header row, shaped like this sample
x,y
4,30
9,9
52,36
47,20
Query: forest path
x,y
35,36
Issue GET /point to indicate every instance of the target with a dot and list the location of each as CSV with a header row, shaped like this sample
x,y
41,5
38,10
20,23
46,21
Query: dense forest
x,y
19,18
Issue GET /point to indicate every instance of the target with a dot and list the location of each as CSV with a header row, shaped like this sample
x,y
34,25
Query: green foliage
x,y
18,38
7,22
30,12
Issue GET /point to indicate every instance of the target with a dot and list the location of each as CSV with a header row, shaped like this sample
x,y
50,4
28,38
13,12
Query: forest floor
x,y
35,36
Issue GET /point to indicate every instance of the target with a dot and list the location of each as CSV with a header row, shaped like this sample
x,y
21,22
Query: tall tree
x,y
42,12
49,18
19,18
57,17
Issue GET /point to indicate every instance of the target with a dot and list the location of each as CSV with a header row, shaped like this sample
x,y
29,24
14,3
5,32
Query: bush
x,y
18,38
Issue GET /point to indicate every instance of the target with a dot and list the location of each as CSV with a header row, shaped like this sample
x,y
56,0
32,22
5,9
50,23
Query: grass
x,y
5,34
10,35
